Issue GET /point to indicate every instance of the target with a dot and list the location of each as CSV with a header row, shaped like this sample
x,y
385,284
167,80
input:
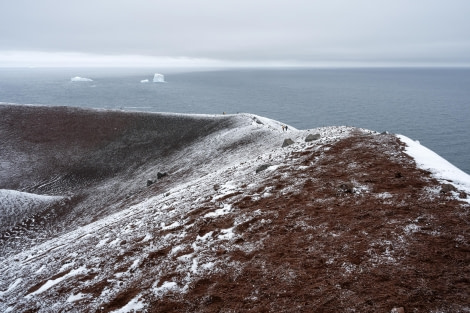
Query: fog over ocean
x,y
429,105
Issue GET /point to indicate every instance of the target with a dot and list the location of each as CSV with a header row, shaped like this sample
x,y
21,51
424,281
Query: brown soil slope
x,y
363,230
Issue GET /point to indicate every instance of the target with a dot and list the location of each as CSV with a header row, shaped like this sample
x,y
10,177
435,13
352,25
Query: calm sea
x,y
429,105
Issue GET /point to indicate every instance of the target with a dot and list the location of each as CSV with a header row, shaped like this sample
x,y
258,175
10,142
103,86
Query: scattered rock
x,y
312,137
262,168
346,188
463,195
161,175
445,188
398,310
149,182
287,142
258,121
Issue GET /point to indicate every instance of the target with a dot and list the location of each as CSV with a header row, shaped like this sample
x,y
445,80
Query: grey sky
x,y
283,31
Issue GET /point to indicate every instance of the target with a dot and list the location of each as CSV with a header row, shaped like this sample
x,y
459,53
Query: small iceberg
x,y
143,81
80,79
158,78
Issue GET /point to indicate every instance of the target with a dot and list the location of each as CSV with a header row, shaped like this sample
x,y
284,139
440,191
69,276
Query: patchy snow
x,y
11,287
219,212
411,228
165,288
53,282
226,234
174,236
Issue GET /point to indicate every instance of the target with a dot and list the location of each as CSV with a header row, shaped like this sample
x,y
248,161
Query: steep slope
x,y
99,161
343,223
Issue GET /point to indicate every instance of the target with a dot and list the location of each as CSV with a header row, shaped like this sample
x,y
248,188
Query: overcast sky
x,y
234,32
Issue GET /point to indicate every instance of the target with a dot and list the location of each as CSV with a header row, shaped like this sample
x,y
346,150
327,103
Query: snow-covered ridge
x,y
431,161
14,205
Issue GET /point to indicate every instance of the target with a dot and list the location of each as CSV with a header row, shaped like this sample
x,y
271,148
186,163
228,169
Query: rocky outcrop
x,y
262,168
287,142
312,137
161,175
447,188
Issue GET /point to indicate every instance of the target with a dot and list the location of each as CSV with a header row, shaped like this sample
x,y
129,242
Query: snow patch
x,y
169,227
52,283
383,195
102,242
411,228
165,288
219,212
226,234
135,264
11,287
77,297
134,305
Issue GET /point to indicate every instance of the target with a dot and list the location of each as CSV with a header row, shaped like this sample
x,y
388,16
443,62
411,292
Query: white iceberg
x,y
158,78
80,79
144,81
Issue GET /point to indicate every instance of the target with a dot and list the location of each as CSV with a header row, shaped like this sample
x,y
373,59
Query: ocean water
x,y
429,105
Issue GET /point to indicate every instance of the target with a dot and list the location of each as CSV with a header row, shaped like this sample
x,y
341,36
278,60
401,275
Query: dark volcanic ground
x,y
345,223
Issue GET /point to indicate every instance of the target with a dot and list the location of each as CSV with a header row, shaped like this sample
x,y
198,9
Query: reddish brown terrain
x,y
343,223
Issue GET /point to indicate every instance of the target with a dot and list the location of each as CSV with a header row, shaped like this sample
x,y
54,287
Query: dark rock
x,y
463,195
161,175
216,187
445,188
346,188
262,168
398,175
312,137
258,121
149,182
123,242
287,142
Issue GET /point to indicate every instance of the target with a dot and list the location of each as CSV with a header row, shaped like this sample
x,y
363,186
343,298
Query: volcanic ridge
x,y
111,211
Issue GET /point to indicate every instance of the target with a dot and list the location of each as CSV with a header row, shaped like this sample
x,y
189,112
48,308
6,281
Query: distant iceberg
x,y
158,78
144,81
80,79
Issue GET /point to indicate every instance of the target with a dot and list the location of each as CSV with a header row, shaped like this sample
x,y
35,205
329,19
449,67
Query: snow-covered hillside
x,y
14,205
336,219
